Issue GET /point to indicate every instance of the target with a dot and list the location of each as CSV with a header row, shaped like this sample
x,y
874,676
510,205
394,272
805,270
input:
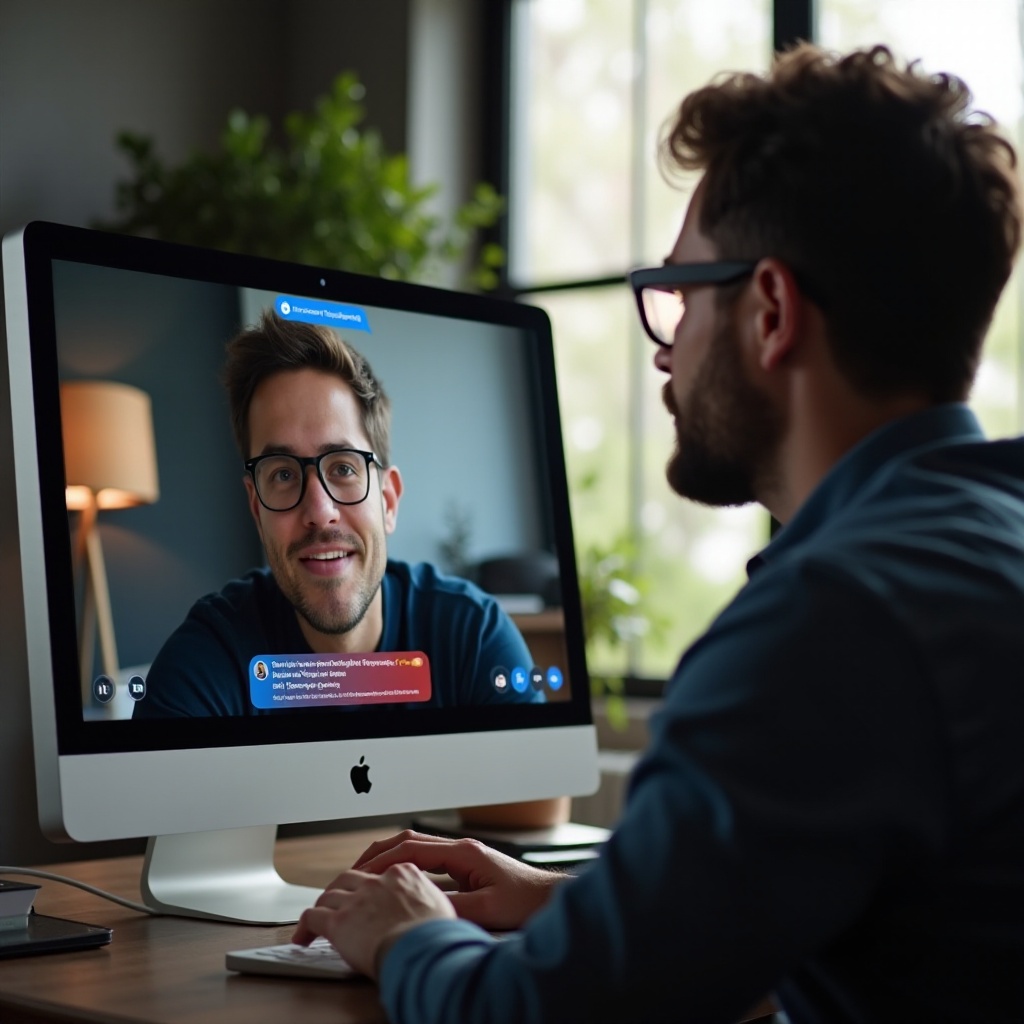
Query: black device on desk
x,y
42,934
23,932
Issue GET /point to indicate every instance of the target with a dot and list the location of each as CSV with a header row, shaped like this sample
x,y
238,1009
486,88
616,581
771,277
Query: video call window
x,y
202,628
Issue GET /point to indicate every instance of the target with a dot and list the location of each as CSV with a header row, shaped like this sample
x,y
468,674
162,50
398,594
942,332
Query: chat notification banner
x,y
320,311
332,680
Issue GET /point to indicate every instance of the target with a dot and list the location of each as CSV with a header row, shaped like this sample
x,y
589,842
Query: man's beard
x,y
342,621
727,432
338,619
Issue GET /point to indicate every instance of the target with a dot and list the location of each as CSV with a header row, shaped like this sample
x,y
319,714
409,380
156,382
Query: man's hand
x,y
364,910
494,891
362,914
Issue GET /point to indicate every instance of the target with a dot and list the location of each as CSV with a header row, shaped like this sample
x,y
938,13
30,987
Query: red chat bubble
x,y
331,680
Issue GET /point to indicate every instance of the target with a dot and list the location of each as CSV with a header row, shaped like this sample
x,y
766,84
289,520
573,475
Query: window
x,y
591,82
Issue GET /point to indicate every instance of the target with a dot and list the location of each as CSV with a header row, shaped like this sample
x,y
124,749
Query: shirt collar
x,y
937,425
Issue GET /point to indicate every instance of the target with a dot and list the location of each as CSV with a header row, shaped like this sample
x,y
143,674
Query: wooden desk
x,y
164,970
170,970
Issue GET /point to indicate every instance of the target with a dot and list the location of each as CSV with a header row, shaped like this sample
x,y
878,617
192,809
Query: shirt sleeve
x,y
490,638
196,673
792,772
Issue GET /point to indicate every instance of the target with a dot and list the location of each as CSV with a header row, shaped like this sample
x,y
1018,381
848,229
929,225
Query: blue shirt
x,y
832,804
203,667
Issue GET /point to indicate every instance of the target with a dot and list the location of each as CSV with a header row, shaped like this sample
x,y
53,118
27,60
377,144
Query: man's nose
x,y
663,359
318,507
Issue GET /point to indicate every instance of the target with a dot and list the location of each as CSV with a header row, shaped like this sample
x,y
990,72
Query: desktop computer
x,y
134,507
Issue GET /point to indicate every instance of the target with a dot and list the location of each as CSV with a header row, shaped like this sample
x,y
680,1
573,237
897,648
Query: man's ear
x,y
779,312
254,504
390,493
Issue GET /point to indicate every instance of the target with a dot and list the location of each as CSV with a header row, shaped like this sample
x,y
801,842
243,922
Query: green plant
x,y
331,197
612,598
609,601
454,546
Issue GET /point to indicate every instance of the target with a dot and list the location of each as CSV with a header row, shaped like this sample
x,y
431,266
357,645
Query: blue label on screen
x,y
319,311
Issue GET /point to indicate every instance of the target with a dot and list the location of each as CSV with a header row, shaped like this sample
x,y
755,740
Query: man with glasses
x,y
831,808
313,425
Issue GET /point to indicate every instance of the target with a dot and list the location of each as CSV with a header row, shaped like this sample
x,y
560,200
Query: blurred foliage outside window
x,y
593,80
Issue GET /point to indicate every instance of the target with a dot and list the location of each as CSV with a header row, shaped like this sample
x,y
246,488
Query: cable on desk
x,y
50,877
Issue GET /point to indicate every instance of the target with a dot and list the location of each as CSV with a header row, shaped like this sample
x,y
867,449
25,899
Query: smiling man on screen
x,y
313,424
832,805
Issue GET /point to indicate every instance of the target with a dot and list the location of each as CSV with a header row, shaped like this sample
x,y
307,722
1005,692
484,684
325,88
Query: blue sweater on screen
x,y
202,670
832,804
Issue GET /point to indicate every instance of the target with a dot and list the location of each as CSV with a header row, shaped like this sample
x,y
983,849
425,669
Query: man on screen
x,y
832,805
313,425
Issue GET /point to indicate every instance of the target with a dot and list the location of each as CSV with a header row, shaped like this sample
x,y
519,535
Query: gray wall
x,y
166,336
72,75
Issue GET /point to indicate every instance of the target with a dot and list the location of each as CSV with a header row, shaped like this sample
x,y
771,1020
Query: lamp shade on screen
x,y
109,452
109,463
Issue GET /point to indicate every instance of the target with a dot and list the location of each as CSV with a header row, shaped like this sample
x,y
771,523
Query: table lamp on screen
x,y
109,463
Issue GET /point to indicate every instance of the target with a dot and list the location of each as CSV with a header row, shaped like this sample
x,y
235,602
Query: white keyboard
x,y
317,960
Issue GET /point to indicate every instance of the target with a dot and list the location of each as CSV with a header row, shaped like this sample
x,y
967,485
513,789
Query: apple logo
x,y
360,776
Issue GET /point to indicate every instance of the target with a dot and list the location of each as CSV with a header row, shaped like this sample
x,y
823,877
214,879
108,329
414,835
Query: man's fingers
x,y
315,918
383,845
494,890
347,880
366,912
453,857
471,905
312,924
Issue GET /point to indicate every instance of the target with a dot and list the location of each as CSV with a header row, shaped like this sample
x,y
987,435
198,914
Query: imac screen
x,y
366,566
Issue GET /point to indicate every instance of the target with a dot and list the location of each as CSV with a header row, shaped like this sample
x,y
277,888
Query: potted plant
x,y
330,196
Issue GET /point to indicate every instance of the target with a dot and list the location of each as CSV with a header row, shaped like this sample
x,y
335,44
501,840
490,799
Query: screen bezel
x,y
43,244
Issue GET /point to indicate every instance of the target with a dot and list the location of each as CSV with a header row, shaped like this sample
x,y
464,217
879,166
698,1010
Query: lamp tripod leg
x,y
96,613
101,593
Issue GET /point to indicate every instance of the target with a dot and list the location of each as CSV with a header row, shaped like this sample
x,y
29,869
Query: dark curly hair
x,y
894,202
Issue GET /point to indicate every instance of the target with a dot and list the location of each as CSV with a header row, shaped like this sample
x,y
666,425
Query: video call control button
x,y
536,679
136,687
499,678
103,689
555,678
520,679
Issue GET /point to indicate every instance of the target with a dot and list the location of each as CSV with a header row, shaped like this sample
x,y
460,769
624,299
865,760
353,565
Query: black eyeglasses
x,y
660,300
280,480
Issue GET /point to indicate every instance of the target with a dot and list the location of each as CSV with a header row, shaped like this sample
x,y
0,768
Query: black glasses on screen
x,y
280,479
